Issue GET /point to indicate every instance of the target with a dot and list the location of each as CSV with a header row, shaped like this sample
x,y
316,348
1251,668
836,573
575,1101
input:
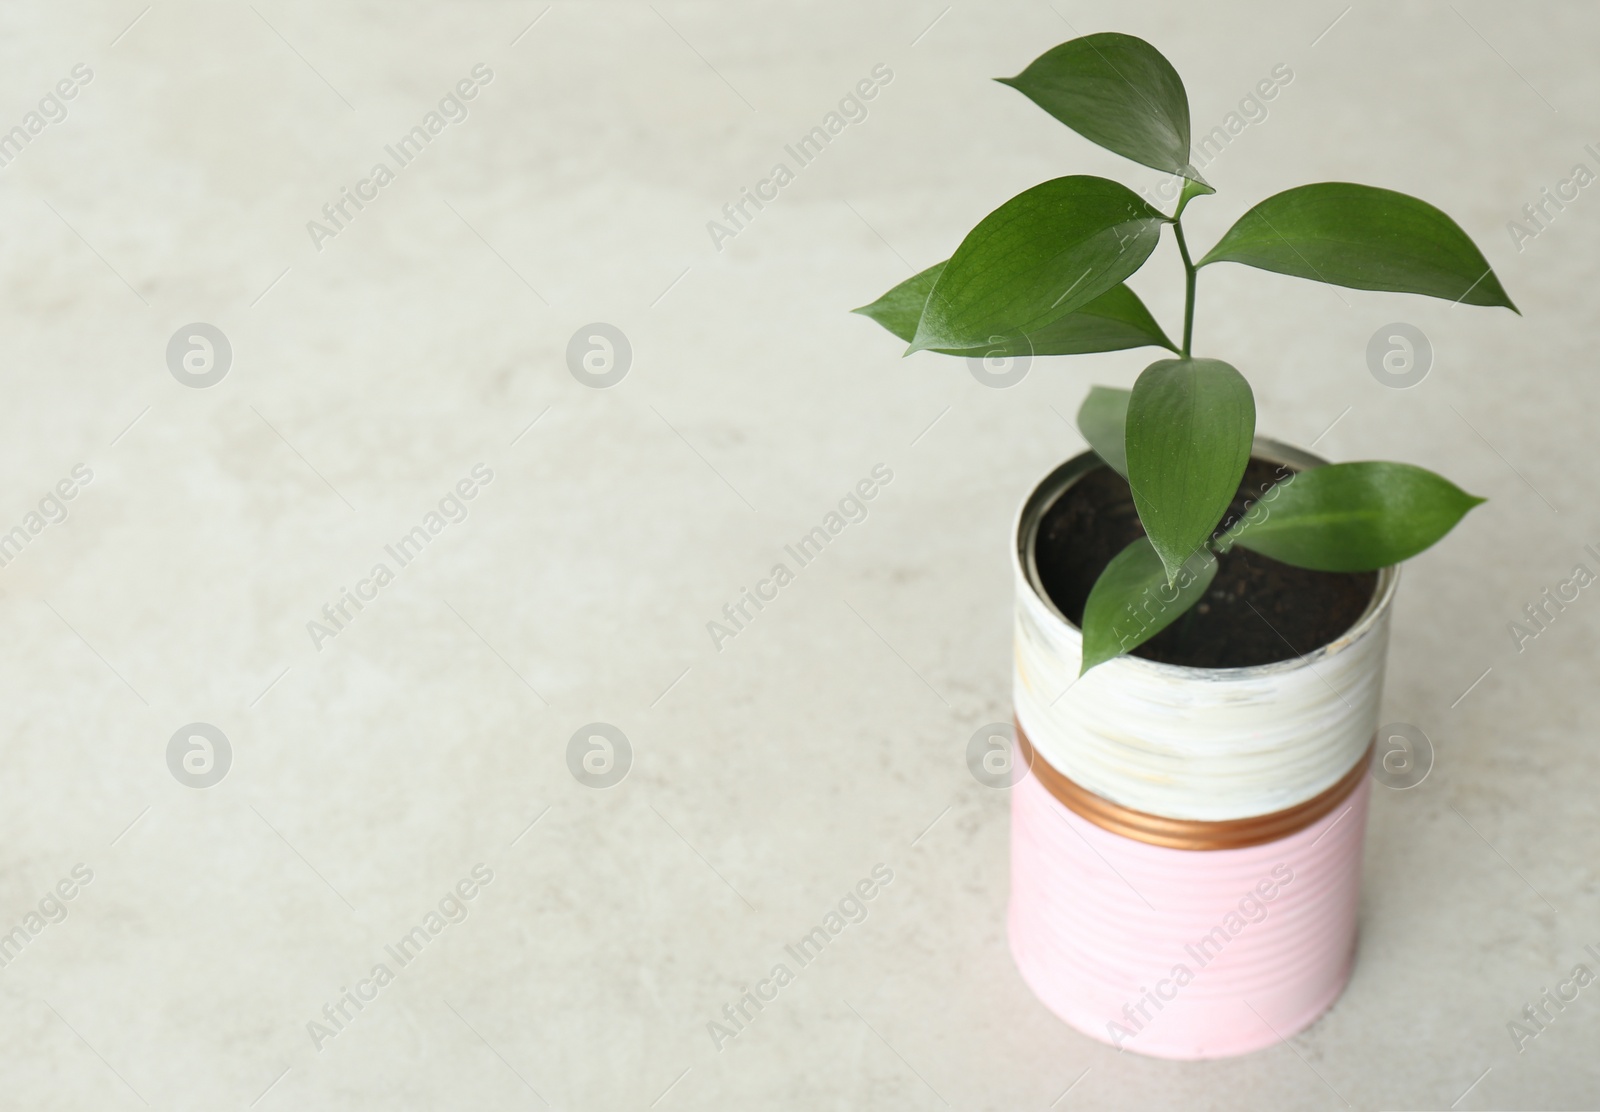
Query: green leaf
x,y
1352,516
900,309
1132,601
1115,320
1116,91
1364,238
1047,252
1103,420
1190,426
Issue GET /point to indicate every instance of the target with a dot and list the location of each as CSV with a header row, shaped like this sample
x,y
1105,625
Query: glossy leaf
x,y
900,309
1103,420
1045,253
1117,91
1190,426
1364,238
1115,320
1352,516
1132,601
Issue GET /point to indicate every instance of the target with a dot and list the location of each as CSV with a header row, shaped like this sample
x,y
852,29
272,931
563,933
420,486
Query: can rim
x,y
1049,490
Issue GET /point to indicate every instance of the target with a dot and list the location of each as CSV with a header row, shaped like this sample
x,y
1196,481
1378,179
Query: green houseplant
x,y
1044,275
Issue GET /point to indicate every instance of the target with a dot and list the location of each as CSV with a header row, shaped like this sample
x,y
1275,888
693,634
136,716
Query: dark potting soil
x,y
1257,609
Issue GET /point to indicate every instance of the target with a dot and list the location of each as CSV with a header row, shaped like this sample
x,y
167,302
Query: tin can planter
x,y
1186,842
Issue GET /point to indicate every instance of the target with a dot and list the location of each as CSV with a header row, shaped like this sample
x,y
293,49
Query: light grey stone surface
x,y
371,774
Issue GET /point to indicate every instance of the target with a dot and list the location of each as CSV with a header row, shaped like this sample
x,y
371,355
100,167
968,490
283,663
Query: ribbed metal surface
x,y
1159,830
1101,926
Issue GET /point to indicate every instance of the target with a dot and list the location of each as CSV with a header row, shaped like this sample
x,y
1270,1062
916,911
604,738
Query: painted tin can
x,y
1186,847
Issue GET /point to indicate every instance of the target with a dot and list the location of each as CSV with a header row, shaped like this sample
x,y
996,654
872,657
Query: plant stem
x,y
1189,277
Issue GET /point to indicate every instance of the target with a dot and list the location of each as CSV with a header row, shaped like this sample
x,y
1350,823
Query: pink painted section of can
x,y
1183,953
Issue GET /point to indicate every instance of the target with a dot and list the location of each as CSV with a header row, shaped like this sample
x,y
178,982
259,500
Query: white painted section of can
x,y
1193,743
